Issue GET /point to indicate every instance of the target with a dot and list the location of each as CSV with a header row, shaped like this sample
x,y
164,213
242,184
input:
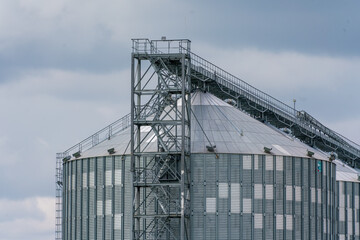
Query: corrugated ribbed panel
x,y
108,206
99,227
269,205
99,206
279,222
350,221
85,215
91,212
210,205
297,193
91,179
312,173
73,200
108,227
78,228
257,162
108,177
279,163
258,172
92,228
235,168
85,177
223,222
258,205
127,198
313,195
289,170
297,171
341,227
258,191
246,162
198,226
210,175
297,226
235,226
269,227
289,193
280,234
319,197
210,227
269,191
117,198
269,163
247,226
246,205
258,233
223,190
235,198
289,222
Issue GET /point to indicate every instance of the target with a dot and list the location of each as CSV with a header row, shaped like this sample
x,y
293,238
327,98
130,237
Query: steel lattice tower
x,y
160,114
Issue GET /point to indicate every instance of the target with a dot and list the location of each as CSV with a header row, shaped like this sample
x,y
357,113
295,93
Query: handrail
x,y
100,135
144,45
225,78
241,84
199,64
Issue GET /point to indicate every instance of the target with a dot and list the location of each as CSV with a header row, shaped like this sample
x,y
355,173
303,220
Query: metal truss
x,y
160,139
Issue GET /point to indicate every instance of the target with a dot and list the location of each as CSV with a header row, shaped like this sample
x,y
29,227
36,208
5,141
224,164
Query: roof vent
x,y
211,148
310,153
111,150
267,150
65,159
163,38
77,154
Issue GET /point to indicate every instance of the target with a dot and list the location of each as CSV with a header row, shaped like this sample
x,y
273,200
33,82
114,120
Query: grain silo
x,y
185,164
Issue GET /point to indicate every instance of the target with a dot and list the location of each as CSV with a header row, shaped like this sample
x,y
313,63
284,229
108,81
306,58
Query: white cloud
x,y
30,218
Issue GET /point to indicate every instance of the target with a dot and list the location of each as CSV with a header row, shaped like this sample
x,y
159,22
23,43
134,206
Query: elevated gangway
x,y
260,105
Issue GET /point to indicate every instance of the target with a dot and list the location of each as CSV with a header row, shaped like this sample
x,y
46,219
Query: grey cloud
x,y
327,28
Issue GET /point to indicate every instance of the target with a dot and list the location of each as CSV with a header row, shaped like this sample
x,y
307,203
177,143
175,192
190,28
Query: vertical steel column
x,y
182,173
132,142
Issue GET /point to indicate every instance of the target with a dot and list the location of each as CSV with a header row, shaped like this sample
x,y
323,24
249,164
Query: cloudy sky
x,y
65,73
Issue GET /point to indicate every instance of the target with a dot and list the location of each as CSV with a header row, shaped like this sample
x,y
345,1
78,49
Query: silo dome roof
x,y
226,127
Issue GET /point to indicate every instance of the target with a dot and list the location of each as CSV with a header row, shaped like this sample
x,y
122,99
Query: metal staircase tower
x,y
160,138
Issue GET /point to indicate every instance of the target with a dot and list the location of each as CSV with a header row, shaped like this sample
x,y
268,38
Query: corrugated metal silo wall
x,y
262,197
348,210
232,197
97,198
